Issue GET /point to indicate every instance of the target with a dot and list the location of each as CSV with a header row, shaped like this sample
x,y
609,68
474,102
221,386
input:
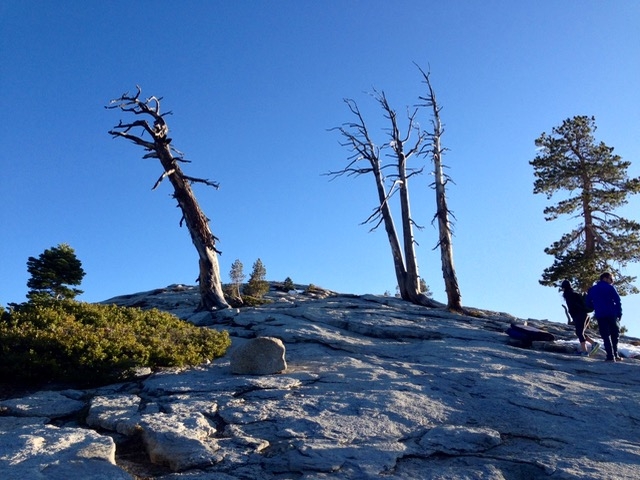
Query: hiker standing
x,y
608,310
580,316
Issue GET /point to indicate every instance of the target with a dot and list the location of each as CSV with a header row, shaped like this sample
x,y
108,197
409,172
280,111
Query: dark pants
x,y
581,326
609,331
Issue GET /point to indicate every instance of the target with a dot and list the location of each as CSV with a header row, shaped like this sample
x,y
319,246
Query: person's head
x,y
606,277
565,285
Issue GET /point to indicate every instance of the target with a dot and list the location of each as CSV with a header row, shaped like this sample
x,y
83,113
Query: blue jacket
x,y
605,300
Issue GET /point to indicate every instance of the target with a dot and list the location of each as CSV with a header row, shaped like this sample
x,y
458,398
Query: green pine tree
x,y
288,285
237,276
594,183
257,286
53,272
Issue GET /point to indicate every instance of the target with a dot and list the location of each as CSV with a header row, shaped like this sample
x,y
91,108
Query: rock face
x,y
259,356
374,388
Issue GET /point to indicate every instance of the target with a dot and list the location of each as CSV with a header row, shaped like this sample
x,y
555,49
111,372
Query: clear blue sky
x,y
254,87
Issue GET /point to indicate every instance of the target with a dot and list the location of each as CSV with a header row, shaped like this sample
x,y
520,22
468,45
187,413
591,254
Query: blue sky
x,y
255,87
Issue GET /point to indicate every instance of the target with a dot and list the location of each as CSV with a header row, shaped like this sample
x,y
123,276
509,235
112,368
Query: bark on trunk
x,y
392,236
454,300
411,262
210,282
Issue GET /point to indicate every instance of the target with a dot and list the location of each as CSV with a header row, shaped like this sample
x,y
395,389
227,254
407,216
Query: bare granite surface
x,y
374,387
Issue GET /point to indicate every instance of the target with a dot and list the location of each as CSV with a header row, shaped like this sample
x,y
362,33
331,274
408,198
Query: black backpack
x,y
588,305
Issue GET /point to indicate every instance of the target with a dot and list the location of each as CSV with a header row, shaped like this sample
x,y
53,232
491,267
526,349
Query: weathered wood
x,y
160,147
454,299
365,150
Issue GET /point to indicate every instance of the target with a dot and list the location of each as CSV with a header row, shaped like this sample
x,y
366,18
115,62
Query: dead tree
x,y
159,146
366,159
454,301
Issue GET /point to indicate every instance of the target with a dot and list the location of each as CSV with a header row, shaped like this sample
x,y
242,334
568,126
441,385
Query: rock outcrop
x,y
373,387
259,356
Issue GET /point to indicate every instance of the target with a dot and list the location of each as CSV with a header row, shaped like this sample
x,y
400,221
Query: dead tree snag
x,y
159,146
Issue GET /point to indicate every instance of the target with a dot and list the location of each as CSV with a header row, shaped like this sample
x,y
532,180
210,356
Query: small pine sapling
x,y
257,286
237,276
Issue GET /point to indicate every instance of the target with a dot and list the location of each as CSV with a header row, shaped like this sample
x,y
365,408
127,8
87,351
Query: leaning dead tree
x,y
367,159
454,300
152,123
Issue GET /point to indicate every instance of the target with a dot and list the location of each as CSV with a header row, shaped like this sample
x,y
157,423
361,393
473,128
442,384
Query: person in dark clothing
x,y
580,316
608,310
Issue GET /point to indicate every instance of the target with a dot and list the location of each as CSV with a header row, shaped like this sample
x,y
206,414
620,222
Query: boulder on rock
x,y
259,356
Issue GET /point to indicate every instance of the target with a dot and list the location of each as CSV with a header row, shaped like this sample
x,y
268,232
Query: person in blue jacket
x,y
605,301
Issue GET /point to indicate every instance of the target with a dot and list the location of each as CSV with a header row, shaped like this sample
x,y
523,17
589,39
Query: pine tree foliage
x,y
53,272
237,276
257,286
595,184
288,285
424,288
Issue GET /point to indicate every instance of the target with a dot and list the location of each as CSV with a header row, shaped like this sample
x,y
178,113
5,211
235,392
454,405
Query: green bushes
x,y
257,286
288,285
87,343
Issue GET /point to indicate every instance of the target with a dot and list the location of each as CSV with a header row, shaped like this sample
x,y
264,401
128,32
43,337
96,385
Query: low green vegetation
x,y
257,286
87,343
311,288
250,294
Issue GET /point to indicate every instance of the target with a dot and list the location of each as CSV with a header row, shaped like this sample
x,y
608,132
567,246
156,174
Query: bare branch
x,y
162,177
133,138
215,185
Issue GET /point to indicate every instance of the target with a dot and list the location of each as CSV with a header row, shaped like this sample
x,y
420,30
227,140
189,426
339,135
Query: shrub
x,y
288,285
229,291
249,301
92,344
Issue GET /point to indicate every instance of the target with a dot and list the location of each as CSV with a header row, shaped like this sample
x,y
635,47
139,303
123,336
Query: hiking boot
x,y
583,354
594,348
618,358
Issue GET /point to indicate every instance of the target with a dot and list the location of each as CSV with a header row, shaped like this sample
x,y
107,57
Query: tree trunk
x,y
412,277
454,300
408,278
210,283
211,295
365,149
392,236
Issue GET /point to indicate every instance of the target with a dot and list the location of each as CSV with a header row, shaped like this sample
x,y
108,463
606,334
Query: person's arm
x,y
589,300
616,297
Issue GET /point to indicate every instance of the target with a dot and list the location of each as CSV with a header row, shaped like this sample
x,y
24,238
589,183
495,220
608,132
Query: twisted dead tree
x,y
367,159
159,146
454,300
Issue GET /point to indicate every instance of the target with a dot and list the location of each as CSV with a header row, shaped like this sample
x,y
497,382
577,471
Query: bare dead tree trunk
x,y
211,295
454,300
398,142
359,141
